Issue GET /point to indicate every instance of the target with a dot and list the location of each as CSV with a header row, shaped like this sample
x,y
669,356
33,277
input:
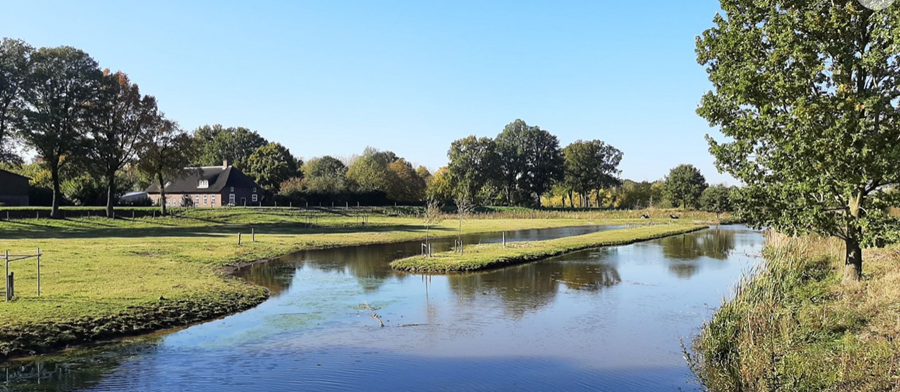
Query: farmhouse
x,y
209,186
13,189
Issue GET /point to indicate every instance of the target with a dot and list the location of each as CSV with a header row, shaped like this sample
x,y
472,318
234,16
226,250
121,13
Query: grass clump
x,y
486,256
793,325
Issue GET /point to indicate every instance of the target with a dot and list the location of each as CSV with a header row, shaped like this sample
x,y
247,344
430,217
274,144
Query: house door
x,y
244,201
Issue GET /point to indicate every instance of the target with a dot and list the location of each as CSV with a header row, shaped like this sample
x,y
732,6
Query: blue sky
x,y
332,77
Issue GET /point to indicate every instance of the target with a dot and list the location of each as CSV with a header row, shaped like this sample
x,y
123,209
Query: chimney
x,y
224,164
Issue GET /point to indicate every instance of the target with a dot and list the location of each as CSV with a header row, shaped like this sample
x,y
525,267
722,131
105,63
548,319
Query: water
x,y
605,319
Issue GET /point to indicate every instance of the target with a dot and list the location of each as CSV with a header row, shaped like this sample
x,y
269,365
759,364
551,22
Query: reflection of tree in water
x,y
684,250
70,371
275,276
532,286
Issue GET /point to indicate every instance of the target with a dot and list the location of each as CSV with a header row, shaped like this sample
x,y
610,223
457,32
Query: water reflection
x,y
529,287
685,251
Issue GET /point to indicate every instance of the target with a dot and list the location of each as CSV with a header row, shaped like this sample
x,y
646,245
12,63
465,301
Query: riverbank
x,y
488,256
794,325
104,278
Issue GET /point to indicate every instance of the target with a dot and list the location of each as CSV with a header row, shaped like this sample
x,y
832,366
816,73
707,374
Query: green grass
x,y
795,325
103,278
486,256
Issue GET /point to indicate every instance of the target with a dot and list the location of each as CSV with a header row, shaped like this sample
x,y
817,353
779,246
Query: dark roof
x,y
218,177
14,174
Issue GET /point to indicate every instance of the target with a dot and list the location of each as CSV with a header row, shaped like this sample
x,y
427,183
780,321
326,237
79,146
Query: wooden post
x,y
6,276
239,239
504,239
39,271
37,215
252,235
132,214
10,286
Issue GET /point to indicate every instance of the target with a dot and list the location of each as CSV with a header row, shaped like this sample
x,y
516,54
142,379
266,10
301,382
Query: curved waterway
x,y
608,319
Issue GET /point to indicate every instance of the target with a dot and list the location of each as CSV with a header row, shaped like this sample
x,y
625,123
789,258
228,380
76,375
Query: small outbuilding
x,y
13,189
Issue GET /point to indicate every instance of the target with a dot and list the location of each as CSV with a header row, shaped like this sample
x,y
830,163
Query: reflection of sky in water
x,y
607,318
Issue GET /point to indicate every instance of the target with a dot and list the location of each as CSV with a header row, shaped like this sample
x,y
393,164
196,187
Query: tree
x,y
440,188
57,98
530,162
685,184
369,171
120,119
15,66
807,93
404,184
591,165
473,164
165,155
716,199
431,217
217,144
271,165
325,175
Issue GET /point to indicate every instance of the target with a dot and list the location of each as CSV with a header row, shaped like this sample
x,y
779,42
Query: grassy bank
x,y
103,278
794,325
486,256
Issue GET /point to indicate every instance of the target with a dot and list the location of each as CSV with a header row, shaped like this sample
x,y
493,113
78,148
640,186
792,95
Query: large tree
x,y
405,185
591,165
684,185
369,171
216,144
121,118
15,66
807,94
326,175
716,198
473,164
271,165
57,97
530,162
165,155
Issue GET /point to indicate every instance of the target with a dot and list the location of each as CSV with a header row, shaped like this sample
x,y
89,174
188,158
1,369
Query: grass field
x,y
796,325
486,256
104,278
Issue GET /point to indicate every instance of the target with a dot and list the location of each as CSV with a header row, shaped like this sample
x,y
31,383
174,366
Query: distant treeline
x,y
95,137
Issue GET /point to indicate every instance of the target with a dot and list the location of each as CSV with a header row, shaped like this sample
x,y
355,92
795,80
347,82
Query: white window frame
x,y
203,184
212,200
196,200
254,191
254,197
205,200
231,199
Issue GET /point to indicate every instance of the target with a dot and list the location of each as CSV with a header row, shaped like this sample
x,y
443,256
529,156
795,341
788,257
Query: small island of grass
x,y
495,255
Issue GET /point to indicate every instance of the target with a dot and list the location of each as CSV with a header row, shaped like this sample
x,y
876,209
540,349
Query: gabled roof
x,y
14,174
218,178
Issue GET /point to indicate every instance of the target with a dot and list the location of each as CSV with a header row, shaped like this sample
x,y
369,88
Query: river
x,y
608,319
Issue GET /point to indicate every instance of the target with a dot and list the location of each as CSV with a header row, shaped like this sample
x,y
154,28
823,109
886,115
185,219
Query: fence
x,y
10,277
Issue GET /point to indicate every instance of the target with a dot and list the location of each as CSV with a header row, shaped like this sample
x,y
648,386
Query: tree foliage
x,y
716,198
530,162
57,96
270,165
216,144
15,67
807,93
165,154
473,164
684,185
591,165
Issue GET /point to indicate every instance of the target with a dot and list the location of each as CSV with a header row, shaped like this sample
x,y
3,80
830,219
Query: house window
x,y
231,199
254,196
196,200
203,184
205,199
254,191
213,201
232,189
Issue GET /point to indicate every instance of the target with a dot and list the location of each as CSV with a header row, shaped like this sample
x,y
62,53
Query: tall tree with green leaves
x,y
530,162
57,98
369,171
15,66
216,144
684,185
807,93
717,199
591,165
165,155
270,165
326,174
473,164
119,121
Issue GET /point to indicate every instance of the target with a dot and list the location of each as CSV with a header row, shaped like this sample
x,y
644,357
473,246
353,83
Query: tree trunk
x,y
854,259
54,176
162,194
110,194
572,199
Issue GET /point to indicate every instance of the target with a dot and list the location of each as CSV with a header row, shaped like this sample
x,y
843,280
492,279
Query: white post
x,y
39,271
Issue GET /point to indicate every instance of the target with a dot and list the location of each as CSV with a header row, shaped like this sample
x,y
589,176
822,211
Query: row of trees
x,y
521,165
72,113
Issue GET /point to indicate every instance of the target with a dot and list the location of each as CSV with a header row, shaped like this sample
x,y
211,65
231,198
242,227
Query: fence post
x,y
504,239
10,286
6,275
239,239
39,271
252,235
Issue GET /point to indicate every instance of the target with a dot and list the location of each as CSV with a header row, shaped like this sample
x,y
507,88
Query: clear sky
x,y
332,77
